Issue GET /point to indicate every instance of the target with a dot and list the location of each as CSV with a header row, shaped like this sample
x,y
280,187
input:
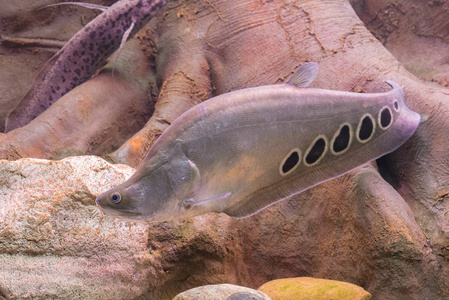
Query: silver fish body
x,y
242,151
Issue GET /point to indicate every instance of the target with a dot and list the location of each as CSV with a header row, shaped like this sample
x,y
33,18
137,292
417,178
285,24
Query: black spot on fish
x,y
63,78
396,105
67,90
75,53
291,162
78,72
385,118
91,46
316,152
341,142
366,128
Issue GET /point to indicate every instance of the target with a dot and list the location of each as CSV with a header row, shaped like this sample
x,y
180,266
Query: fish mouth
x,y
120,213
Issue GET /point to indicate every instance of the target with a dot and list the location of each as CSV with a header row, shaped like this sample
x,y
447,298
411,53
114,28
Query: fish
x,y
242,151
81,57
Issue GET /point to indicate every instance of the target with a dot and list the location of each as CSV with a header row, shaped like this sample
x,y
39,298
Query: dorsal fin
x,y
304,75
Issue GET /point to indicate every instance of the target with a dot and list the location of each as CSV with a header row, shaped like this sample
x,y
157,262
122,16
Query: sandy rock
x,y
55,243
221,292
312,288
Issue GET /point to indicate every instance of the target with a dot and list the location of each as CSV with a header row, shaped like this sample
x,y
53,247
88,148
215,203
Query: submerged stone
x,y
221,292
302,288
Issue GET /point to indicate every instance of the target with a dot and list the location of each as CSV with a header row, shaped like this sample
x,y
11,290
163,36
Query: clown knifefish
x,y
82,56
242,151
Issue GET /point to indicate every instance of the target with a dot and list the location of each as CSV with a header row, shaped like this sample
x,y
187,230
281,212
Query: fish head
x,y
155,191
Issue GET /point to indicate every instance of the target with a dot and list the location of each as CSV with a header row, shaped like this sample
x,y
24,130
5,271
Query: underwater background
x,y
381,227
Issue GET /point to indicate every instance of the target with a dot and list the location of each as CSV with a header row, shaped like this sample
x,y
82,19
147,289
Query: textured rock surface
x,y
421,46
306,288
218,292
53,240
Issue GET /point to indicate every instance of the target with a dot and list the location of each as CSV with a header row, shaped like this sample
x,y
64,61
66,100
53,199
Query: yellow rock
x,y
306,288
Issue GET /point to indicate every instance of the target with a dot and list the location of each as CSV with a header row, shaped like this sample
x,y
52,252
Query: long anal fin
x,y
267,196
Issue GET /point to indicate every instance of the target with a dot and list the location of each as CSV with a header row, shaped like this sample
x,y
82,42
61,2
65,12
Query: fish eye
x,y
116,198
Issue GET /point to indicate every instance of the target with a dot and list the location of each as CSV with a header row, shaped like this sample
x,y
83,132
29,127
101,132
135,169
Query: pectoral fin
x,y
304,76
194,202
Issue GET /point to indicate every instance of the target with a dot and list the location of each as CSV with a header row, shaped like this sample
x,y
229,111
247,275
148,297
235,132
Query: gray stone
x,y
245,296
221,292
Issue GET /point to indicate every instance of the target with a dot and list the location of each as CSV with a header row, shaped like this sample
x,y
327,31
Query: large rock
x,y
221,292
306,288
55,243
